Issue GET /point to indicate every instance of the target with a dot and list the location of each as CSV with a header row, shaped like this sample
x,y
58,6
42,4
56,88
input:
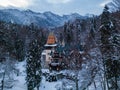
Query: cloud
x,y
15,3
105,2
58,1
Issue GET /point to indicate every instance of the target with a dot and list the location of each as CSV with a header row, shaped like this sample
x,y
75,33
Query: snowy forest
x,y
89,48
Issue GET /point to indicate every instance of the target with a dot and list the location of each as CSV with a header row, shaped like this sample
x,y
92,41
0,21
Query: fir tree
x,y
108,50
115,41
68,34
33,66
19,47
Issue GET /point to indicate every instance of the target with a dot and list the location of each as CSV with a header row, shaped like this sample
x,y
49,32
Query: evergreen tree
x,y
6,40
92,33
93,27
69,37
68,34
115,41
61,37
33,67
19,47
107,50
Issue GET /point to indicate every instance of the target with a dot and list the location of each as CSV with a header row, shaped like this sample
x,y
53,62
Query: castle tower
x,y
49,47
51,39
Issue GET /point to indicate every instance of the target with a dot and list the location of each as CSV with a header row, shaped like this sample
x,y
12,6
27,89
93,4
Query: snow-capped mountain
x,y
26,17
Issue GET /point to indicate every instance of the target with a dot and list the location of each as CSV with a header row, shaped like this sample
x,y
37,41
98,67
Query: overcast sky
x,y
58,6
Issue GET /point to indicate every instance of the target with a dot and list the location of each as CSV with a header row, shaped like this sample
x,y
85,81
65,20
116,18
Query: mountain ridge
x,y
45,19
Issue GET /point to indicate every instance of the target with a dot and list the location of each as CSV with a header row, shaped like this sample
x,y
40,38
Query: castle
x,y
48,48
48,54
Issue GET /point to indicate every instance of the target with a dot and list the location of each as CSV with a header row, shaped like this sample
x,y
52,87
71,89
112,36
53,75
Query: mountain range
x,y
46,19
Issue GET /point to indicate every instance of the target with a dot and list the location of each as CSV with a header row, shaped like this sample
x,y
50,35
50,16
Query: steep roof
x,y
51,38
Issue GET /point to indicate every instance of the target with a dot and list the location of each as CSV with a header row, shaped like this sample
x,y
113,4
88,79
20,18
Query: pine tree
x,y
108,50
61,37
19,47
115,41
68,34
33,67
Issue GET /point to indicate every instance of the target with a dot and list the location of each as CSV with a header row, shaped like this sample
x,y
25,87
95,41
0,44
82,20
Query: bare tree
x,y
9,69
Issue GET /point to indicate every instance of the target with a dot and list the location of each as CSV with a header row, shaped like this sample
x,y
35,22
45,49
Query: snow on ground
x,y
21,67
20,83
45,85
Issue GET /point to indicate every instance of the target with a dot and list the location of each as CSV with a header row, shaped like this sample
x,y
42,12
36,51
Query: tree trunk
x,y
104,84
77,84
95,85
107,84
38,87
116,85
2,86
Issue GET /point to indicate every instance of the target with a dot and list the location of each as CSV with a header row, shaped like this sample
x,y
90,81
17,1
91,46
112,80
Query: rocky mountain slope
x,y
26,17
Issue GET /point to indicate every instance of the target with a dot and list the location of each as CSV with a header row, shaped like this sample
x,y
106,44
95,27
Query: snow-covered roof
x,y
52,45
55,64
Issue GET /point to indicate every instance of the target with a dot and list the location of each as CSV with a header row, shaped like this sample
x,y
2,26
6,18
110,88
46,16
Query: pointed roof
x,y
51,38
